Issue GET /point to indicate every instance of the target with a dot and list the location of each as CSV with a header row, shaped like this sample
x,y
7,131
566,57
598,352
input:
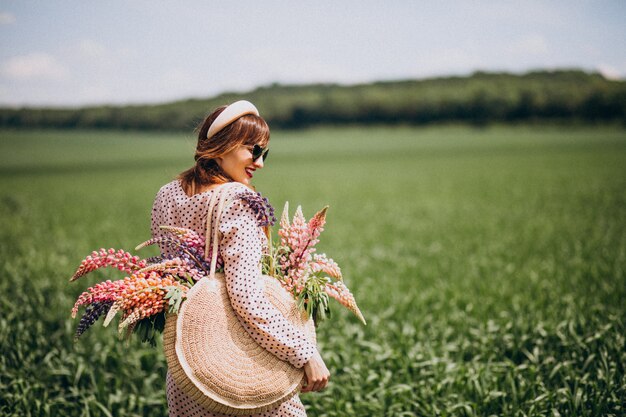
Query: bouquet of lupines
x,y
156,286
153,286
309,276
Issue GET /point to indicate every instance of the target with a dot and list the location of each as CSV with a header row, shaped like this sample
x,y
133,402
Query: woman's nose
x,y
259,162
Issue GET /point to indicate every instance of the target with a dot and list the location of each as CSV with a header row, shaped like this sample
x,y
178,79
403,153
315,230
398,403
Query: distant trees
x,y
479,99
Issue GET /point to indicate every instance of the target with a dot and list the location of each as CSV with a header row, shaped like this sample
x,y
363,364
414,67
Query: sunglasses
x,y
257,152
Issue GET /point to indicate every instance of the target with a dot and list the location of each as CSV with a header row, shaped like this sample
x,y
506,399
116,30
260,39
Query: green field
x,y
489,263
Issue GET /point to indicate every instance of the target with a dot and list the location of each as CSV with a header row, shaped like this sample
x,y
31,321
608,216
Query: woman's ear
x,y
218,161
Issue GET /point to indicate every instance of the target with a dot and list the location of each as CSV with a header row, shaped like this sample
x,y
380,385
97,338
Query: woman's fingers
x,y
307,385
316,385
319,386
321,383
325,383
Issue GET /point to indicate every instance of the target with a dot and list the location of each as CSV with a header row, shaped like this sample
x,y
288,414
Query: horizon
x,y
279,84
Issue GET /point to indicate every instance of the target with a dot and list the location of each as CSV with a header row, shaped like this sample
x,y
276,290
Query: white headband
x,y
230,114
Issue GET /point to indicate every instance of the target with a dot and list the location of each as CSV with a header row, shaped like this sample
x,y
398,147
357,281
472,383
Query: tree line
x,y
481,98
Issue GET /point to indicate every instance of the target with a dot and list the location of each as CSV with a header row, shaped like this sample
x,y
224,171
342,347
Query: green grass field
x,y
490,265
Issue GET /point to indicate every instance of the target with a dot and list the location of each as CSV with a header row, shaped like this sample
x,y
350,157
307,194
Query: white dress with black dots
x,y
240,246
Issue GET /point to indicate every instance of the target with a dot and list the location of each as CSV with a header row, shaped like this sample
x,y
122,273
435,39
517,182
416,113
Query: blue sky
x,y
76,52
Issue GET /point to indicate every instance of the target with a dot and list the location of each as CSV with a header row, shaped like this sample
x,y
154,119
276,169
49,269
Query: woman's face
x,y
238,164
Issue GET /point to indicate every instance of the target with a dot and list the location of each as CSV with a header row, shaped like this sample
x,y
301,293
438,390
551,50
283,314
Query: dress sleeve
x,y
240,247
156,218
159,218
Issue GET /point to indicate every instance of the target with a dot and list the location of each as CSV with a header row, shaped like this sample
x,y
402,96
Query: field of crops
x,y
489,263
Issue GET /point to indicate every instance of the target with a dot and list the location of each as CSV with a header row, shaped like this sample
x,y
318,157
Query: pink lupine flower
x,y
284,218
296,236
103,291
120,259
321,263
300,270
130,292
144,296
141,294
341,293
316,226
167,240
148,309
175,266
187,236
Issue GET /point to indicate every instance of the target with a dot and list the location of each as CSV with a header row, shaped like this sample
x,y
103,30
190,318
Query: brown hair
x,y
247,130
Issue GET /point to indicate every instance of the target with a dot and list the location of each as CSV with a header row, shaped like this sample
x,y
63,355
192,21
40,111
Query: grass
x,y
489,264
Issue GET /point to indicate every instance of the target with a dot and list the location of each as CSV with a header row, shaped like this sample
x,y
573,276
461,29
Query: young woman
x,y
232,144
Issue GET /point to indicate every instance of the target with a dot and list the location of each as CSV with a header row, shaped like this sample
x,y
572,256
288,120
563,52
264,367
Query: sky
x,y
84,52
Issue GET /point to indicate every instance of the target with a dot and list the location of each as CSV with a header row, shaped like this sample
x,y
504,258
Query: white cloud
x,y
7,18
34,66
87,54
101,72
610,72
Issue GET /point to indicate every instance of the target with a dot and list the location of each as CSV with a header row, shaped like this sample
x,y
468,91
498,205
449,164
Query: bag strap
x,y
218,199
209,222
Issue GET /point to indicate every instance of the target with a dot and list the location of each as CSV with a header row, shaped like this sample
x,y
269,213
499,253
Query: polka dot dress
x,y
240,247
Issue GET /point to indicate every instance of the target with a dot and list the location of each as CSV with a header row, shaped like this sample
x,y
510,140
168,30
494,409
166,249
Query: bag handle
x,y
218,198
209,222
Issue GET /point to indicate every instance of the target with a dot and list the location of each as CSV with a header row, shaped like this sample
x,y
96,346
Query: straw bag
x,y
213,359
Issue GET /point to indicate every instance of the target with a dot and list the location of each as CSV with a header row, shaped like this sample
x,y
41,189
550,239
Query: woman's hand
x,y
316,374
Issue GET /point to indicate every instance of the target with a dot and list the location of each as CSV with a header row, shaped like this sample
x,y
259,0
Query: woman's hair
x,y
246,130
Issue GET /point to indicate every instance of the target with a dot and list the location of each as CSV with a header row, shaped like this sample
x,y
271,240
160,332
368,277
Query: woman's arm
x,y
240,247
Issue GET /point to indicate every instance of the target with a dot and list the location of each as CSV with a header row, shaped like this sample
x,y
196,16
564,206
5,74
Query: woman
x,y
232,145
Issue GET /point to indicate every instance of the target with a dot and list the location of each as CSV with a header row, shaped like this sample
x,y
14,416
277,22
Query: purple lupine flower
x,y
92,313
260,206
190,254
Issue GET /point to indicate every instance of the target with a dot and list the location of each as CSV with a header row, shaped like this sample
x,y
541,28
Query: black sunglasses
x,y
257,152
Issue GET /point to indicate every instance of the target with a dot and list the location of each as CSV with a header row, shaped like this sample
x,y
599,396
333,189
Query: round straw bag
x,y
214,360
